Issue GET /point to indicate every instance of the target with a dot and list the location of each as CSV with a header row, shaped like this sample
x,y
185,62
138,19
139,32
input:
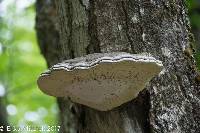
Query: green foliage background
x,y
21,63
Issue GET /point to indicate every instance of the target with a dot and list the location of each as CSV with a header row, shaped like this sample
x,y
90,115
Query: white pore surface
x,y
100,81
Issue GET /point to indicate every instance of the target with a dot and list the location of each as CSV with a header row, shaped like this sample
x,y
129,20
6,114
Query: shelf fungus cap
x,y
101,81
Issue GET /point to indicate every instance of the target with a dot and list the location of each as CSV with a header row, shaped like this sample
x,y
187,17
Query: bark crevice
x,y
127,27
94,45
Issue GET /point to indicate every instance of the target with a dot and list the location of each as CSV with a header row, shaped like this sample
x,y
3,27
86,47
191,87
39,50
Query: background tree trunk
x,y
196,33
3,116
170,102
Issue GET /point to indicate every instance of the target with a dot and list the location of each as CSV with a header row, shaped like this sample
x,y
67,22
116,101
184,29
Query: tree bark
x,y
169,103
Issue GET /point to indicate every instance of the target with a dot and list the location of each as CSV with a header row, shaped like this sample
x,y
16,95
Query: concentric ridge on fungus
x,y
101,80
87,61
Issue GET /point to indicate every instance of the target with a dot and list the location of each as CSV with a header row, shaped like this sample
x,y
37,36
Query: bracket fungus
x,y
101,80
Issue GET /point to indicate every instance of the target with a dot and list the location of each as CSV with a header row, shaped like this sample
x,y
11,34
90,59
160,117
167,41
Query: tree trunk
x,y
196,32
169,103
3,116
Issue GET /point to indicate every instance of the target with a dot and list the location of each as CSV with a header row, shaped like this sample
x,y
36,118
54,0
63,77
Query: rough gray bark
x,y
170,103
